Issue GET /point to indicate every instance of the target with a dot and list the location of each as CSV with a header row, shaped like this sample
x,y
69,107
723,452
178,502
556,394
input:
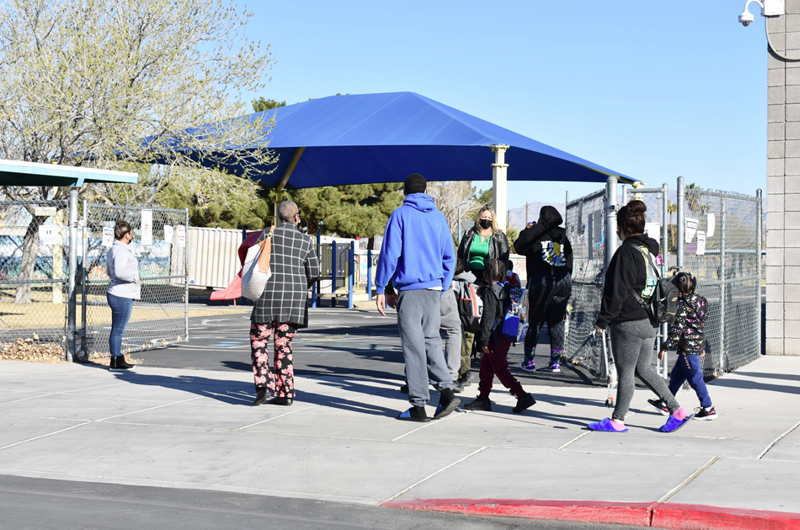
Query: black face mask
x,y
485,223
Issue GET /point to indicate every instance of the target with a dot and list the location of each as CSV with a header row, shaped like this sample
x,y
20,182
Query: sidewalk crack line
x,y
573,440
778,439
686,482
434,474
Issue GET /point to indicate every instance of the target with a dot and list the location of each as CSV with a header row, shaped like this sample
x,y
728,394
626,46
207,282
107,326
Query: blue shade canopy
x,y
376,138
19,173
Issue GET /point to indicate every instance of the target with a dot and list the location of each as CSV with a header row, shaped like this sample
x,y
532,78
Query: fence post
x,y
351,262
84,279
73,265
369,274
186,272
681,225
664,261
334,272
722,286
611,221
759,231
566,217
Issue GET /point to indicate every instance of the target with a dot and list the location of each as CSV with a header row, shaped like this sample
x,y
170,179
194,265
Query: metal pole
x,y
351,261
186,272
681,224
369,274
84,279
664,260
566,217
526,213
73,266
759,231
334,272
722,286
611,221
624,195
500,184
458,227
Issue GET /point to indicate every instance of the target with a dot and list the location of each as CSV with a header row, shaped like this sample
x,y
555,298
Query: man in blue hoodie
x,y
418,257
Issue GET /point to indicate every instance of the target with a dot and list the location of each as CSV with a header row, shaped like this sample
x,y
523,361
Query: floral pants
x,y
280,380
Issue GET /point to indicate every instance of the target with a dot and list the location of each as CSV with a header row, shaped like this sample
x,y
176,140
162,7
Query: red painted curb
x,y
667,516
629,513
692,517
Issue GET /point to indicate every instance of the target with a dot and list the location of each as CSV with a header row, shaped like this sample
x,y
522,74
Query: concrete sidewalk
x,y
340,442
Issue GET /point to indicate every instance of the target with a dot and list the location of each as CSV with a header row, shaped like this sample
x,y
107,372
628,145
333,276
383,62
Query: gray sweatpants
x,y
418,320
451,328
633,346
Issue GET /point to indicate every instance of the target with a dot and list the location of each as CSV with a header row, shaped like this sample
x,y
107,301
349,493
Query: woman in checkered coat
x,y
283,306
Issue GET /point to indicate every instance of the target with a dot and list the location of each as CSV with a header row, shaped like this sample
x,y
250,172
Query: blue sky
x,y
655,90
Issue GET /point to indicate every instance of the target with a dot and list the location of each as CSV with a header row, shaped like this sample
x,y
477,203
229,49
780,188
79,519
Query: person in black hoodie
x,y
548,254
633,330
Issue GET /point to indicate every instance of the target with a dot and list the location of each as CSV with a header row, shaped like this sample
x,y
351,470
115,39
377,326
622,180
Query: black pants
x,y
548,295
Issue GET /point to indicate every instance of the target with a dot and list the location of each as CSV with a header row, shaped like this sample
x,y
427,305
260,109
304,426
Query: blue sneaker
x,y
673,423
605,426
527,365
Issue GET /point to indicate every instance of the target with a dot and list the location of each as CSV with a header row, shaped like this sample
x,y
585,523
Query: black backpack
x,y
470,305
660,296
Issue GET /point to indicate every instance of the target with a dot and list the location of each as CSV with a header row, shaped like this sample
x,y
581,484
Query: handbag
x,y
255,272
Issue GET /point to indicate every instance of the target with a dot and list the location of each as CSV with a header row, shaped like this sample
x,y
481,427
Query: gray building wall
x,y
783,185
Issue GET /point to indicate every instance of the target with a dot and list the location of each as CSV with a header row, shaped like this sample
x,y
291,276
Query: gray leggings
x,y
633,347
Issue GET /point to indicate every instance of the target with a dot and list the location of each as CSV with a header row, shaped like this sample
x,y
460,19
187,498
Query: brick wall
x,y
783,185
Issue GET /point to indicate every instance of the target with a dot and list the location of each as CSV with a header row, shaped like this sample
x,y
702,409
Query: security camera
x,y
746,18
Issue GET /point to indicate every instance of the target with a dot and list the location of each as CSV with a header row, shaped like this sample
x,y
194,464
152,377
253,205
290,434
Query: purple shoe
x,y
528,366
604,426
673,423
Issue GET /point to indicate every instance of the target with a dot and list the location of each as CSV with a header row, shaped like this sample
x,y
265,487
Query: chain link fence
x,y
160,317
714,235
585,223
721,247
34,250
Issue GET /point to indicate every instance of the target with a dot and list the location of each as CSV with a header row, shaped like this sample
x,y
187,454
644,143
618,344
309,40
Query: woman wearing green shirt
x,y
483,242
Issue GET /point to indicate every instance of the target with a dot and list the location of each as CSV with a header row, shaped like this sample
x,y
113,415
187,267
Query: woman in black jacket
x,y
633,330
483,242
548,256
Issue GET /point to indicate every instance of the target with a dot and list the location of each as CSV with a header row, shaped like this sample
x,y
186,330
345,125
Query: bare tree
x,y
450,197
125,84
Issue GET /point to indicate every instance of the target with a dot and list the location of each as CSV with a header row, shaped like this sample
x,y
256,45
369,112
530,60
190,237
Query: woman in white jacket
x,y
123,269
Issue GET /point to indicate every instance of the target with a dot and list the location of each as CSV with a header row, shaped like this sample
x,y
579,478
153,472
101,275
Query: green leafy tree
x,y
262,104
350,211
83,82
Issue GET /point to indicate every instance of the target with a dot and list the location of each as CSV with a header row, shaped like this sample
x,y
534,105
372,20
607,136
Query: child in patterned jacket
x,y
687,336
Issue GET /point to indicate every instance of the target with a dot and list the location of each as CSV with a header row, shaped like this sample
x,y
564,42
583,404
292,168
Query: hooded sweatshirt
x,y
417,250
626,274
545,244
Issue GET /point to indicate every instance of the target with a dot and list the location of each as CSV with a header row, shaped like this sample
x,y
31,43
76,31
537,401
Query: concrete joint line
x,y
778,439
55,394
275,418
424,426
148,409
45,435
686,482
473,453
573,441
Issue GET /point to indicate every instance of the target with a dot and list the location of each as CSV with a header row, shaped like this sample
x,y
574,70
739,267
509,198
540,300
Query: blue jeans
x,y
690,368
121,309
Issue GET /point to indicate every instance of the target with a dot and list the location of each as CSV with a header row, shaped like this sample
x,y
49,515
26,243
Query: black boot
x,y
287,402
414,414
118,363
447,403
261,396
523,402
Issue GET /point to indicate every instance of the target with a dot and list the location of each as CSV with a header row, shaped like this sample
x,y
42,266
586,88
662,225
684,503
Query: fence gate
x,y
34,250
160,244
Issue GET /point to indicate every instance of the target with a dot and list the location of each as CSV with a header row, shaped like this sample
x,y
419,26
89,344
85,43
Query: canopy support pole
x,y
500,184
282,184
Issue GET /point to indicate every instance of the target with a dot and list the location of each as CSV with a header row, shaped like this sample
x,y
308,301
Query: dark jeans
x,y
495,363
121,309
690,368
548,295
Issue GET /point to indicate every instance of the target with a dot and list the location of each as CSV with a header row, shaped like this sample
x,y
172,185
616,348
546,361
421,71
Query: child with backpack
x,y
687,336
470,309
495,344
